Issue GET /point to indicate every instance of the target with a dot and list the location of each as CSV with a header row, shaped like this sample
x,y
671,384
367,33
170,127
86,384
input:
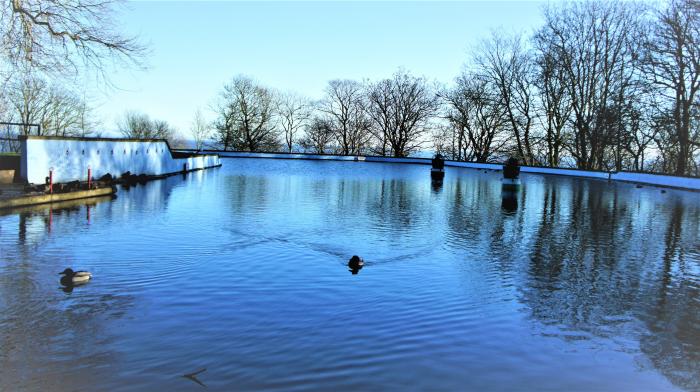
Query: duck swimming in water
x,y
71,278
355,264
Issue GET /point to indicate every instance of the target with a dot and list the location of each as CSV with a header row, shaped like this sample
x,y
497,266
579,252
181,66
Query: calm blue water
x,y
570,285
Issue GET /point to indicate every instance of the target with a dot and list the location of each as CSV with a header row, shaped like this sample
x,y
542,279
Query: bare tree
x,y
245,116
5,105
672,64
30,98
344,105
595,45
58,35
57,111
443,137
136,125
554,103
199,129
640,133
505,63
400,109
380,111
293,111
478,118
64,113
318,136
86,121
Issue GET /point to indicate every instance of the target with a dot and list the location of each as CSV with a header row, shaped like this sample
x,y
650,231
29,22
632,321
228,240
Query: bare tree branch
x,y
59,36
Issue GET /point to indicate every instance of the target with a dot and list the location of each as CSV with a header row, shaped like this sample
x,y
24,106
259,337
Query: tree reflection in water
x,y
626,271
39,320
463,275
49,335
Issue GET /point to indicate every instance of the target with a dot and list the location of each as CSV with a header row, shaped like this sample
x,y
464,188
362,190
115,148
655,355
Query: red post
x,y
89,178
51,180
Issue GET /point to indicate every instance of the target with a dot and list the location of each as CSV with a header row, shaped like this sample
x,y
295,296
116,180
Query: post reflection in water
x,y
509,201
565,284
436,184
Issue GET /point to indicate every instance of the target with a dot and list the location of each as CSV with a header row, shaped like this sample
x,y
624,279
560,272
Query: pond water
x,y
569,284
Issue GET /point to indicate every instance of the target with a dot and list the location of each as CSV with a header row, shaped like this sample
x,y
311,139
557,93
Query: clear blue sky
x,y
197,46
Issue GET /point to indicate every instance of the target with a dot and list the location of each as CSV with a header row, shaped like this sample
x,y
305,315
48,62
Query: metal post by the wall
x,y
89,179
51,180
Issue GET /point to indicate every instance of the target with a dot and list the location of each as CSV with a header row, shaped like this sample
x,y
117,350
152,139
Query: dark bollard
x,y
511,170
511,174
437,172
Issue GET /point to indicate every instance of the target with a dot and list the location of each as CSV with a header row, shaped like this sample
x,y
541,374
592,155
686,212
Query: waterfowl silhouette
x,y
355,264
72,278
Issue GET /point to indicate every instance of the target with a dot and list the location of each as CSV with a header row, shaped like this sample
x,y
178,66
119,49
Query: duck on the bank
x,y
71,278
356,262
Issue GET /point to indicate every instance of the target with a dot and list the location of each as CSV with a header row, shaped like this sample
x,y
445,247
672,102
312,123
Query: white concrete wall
x,y
423,161
70,158
234,154
474,165
658,179
271,155
565,172
642,178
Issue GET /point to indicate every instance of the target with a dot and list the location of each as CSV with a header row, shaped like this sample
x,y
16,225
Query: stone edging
x,y
688,183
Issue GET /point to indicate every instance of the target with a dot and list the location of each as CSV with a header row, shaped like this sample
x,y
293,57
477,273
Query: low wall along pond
x,y
71,157
691,183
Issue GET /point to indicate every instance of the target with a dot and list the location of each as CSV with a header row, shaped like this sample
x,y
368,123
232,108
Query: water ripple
x,y
569,284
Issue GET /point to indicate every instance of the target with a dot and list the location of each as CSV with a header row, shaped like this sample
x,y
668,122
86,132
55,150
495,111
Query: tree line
x,y
44,46
601,85
50,109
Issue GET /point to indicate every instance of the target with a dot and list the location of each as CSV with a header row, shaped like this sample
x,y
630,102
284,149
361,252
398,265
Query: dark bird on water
x,y
72,278
355,264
